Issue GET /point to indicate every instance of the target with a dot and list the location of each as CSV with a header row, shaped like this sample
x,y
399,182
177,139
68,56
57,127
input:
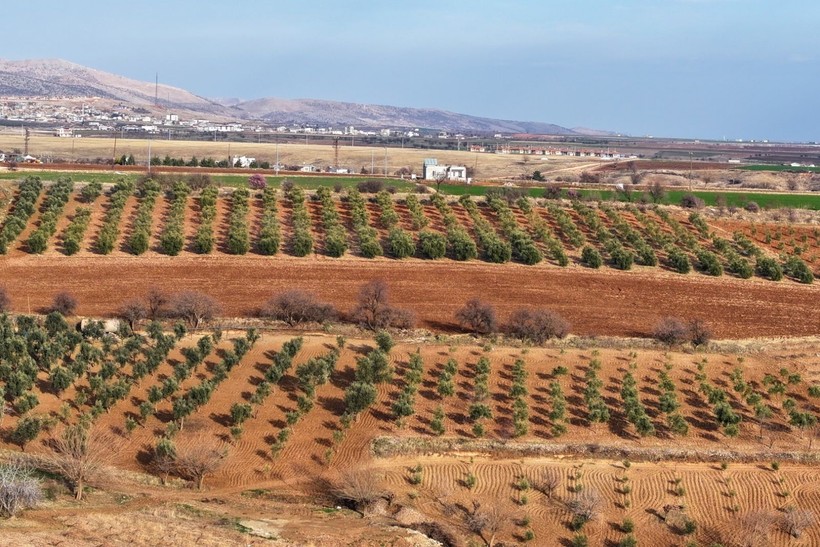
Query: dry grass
x,y
487,166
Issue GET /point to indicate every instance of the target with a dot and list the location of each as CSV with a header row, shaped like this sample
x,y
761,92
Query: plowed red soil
x,y
602,302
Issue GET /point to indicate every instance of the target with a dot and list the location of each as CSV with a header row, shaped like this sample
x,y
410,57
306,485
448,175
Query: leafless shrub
x,y
548,482
370,186
795,521
757,526
752,207
64,303
374,310
296,306
199,458
537,326
79,455
193,307
590,178
670,331
673,331
691,201
18,489
199,181
5,301
586,504
477,316
358,489
486,522
699,332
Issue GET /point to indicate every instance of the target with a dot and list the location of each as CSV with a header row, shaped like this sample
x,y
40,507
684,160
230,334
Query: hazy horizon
x,y
711,69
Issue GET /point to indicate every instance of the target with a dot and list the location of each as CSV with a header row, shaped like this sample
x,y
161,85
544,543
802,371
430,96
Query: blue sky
x,y
691,68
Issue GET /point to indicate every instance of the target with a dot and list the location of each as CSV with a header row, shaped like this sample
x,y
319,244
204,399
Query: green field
x,y
779,168
673,197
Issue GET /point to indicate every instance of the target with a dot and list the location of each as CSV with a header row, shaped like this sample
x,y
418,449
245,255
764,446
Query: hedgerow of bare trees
x,y
673,331
537,326
295,306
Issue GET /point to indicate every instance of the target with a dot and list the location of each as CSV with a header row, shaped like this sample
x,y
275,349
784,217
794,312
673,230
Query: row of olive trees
x,y
172,239
107,238
22,209
335,233
56,199
542,232
141,233
302,241
369,245
204,238
460,244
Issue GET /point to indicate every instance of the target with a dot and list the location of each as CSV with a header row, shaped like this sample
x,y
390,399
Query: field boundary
x,y
390,447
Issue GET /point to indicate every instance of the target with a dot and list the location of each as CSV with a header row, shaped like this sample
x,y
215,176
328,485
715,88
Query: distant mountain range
x,y
57,78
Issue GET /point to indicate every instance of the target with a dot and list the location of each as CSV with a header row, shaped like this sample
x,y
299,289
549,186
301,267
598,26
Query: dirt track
x,y
596,302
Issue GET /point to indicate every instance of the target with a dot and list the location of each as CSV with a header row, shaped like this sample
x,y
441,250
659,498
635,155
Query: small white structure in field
x,y
433,171
243,161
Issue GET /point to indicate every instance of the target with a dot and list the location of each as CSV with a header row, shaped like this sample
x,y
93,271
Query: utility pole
x,y
149,157
385,161
26,139
336,153
277,156
690,170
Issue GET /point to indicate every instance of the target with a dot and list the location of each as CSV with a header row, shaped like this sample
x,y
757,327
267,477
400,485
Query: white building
x,y
434,171
243,161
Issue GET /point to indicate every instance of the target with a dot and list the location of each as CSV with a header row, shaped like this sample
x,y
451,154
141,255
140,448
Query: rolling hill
x,y
55,78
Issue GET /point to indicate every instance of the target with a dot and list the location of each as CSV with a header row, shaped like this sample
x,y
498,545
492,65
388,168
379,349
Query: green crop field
x,y
673,197
781,168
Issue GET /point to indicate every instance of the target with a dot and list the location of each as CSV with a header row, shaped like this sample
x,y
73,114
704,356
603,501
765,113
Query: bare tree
x,y
133,311
358,489
486,522
199,458
795,521
155,302
586,505
477,316
193,307
657,191
80,455
296,306
374,310
18,489
5,301
548,482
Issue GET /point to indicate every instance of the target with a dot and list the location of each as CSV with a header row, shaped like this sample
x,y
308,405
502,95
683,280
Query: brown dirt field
x,y
718,500
605,302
